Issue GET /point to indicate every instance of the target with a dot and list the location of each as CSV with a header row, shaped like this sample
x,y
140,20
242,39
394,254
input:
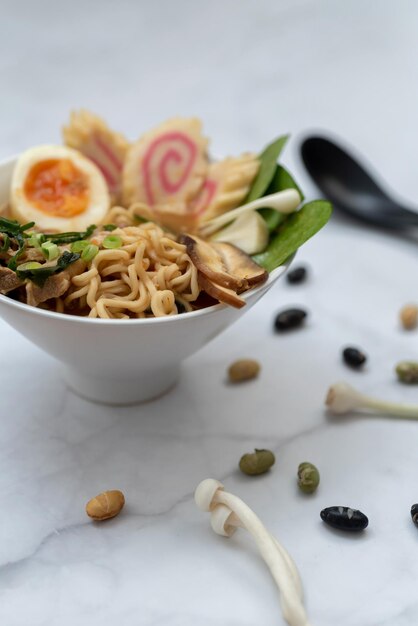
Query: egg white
x,y
24,211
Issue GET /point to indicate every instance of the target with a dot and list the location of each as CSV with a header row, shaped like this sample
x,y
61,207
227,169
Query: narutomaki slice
x,y
167,165
89,134
226,185
223,294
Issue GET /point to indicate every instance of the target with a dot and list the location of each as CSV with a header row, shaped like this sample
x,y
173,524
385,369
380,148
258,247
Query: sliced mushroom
x,y
55,286
241,265
224,264
210,262
223,294
9,280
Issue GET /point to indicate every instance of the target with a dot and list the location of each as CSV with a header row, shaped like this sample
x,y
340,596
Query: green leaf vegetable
x,y
11,229
5,243
62,238
268,164
39,273
293,233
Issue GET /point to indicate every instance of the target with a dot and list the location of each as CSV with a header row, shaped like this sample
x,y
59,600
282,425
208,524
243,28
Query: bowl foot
x,y
124,391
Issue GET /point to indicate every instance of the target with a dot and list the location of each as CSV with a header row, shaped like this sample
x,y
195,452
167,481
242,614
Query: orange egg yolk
x,y
57,187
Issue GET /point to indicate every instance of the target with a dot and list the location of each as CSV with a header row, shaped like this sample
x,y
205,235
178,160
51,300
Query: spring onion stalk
x,y
228,512
112,242
342,398
286,201
89,252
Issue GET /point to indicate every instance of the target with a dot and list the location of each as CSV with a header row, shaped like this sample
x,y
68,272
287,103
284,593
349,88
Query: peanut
x,y
409,316
244,369
106,505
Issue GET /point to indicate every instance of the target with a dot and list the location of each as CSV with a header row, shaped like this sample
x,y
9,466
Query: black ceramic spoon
x,y
351,188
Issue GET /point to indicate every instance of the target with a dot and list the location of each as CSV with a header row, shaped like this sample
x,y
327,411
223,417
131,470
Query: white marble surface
x,y
250,70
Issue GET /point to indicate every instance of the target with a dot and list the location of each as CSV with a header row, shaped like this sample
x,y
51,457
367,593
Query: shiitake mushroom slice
x,y
241,265
223,294
224,264
209,262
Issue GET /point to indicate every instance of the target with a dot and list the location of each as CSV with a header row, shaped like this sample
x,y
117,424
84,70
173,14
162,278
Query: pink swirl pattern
x,y
205,197
168,150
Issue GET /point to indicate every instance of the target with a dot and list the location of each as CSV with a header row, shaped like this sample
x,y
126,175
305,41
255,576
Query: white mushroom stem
x,y
229,512
343,398
286,201
225,522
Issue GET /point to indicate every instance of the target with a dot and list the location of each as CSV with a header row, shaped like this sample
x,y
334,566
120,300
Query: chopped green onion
x,y
36,240
89,252
112,241
79,246
109,227
30,265
50,250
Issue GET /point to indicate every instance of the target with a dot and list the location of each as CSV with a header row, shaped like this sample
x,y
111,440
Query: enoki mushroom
x,y
228,512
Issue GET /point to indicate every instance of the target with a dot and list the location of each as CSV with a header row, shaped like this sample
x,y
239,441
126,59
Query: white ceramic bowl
x,y
120,361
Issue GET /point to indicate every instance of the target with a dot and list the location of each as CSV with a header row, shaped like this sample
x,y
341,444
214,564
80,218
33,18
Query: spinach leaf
x,y
61,238
268,162
282,179
5,243
12,264
272,218
11,229
294,232
39,275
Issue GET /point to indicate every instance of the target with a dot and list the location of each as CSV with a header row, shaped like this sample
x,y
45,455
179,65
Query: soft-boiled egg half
x,y
59,189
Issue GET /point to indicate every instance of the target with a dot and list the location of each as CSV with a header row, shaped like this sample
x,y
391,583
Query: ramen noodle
x,y
150,274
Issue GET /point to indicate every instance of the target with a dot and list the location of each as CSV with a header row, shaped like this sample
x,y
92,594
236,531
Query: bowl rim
x,y
4,299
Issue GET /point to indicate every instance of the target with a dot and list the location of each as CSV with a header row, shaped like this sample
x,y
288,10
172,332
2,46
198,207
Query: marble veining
x,y
250,70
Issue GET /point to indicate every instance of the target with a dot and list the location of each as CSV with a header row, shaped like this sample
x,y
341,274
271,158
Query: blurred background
x,y
250,69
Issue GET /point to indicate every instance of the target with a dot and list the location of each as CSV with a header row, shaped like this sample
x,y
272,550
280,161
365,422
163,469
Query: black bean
x,y
344,518
289,319
354,357
298,275
414,513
